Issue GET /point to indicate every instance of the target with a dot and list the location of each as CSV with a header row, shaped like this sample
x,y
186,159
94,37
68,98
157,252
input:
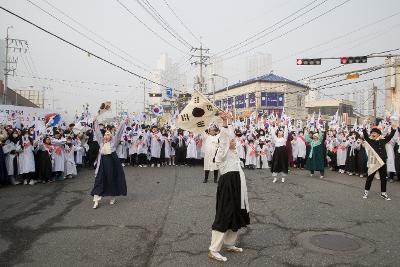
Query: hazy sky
x,y
221,24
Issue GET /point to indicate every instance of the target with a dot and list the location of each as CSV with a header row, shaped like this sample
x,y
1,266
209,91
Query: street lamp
x,y
227,85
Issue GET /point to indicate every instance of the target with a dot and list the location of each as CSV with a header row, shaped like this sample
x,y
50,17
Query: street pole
x,y
6,70
201,68
144,97
213,83
374,95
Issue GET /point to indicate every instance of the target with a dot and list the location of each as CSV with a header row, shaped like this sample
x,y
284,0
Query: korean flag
x,y
198,114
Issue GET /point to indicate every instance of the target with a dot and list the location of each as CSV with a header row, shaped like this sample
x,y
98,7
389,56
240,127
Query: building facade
x,y
265,94
392,85
328,108
13,98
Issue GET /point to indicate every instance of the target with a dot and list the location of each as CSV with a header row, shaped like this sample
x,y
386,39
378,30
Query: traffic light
x,y
351,60
308,61
155,95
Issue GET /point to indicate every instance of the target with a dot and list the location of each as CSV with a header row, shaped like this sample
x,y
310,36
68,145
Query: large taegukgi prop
x,y
198,114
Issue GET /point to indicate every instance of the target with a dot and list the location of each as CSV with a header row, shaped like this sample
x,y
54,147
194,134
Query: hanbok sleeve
x,y
97,132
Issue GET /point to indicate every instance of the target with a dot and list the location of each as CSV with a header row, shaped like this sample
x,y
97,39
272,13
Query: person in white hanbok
x,y
132,150
232,205
299,150
58,143
341,152
155,147
251,154
141,144
165,148
79,150
70,166
26,159
191,152
262,154
10,150
210,145
121,150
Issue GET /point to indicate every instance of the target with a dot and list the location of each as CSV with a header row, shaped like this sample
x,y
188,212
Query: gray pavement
x,y
165,221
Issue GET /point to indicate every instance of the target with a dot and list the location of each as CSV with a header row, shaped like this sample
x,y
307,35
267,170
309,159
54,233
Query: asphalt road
x,y
165,221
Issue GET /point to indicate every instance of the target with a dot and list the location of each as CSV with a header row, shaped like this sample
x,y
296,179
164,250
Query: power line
x,y
162,22
82,49
84,35
339,37
180,20
291,30
148,28
262,34
97,35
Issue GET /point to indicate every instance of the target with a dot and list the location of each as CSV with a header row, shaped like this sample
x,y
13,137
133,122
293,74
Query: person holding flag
x,y
232,207
375,146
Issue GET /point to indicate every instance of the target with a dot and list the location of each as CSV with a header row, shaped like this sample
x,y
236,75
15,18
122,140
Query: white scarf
x,y
106,149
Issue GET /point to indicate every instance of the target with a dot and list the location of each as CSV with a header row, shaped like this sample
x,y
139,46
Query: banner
x,y
18,116
198,114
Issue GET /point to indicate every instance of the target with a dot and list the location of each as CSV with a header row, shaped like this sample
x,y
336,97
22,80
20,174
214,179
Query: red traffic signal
x,y
308,61
351,60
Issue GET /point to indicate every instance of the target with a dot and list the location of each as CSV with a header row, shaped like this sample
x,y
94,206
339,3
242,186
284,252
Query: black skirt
x,y
3,169
229,214
43,166
280,160
351,161
110,178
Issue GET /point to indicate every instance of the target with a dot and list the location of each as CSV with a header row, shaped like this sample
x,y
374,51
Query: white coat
x,y
210,146
191,152
299,148
155,145
58,154
70,166
7,148
26,159
262,156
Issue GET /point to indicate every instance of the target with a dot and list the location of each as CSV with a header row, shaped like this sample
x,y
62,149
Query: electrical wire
x,y
289,31
82,49
162,22
84,35
263,33
340,36
98,36
180,20
148,28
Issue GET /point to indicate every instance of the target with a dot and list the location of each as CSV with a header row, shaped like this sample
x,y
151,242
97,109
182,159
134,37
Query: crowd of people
x,y
28,157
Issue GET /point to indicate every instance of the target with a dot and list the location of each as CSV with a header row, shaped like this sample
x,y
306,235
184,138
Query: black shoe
x,y
205,181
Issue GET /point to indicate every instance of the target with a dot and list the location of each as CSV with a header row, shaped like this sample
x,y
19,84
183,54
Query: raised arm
x,y
97,132
119,133
390,136
366,136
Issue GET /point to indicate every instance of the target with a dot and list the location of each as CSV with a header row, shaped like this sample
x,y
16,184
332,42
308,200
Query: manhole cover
x,y
334,243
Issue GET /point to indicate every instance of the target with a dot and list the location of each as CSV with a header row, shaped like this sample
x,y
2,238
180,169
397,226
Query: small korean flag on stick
x,y
198,114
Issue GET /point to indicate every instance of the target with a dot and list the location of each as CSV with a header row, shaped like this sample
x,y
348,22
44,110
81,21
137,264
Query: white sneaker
x,y
216,256
152,165
123,164
144,166
365,196
283,180
361,176
385,196
112,201
140,166
312,175
25,182
275,179
321,177
96,204
234,249
158,165
32,182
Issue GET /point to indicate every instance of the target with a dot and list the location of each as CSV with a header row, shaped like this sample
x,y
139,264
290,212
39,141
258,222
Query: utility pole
x,y
374,99
202,60
144,96
16,45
